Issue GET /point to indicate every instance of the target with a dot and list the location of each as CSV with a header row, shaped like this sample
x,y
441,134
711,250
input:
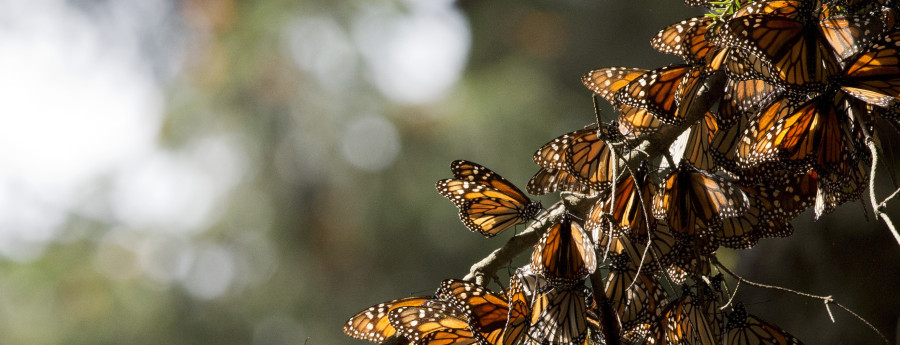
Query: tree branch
x,y
876,206
487,268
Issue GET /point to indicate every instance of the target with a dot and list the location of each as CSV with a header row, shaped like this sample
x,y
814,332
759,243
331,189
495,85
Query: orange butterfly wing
x,y
606,81
488,203
372,324
564,253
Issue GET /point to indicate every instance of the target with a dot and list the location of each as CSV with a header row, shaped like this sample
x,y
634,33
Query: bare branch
x,y
870,143
483,271
884,202
734,293
608,317
827,299
774,287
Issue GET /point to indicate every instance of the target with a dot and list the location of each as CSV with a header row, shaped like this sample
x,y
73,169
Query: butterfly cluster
x,y
807,85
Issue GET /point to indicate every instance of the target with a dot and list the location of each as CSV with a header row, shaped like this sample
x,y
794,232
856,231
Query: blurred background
x,y
237,172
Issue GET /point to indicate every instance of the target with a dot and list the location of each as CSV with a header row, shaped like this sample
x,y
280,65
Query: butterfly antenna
x,y
499,282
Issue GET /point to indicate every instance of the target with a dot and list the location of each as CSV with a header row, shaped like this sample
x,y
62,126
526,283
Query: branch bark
x,y
486,269
878,207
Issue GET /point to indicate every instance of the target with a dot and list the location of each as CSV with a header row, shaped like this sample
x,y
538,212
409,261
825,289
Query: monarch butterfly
x,y
548,180
786,8
589,159
690,200
761,220
519,312
626,231
488,204
554,174
688,91
439,325
657,92
741,65
687,323
606,81
372,324
742,98
849,34
632,199
724,151
839,187
874,75
559,316
723,147
711,298
853,6
783,193
694,144
798,133
787,37
795,196
485,310
637,297
553,154
747,329
636,122
565,253
531,281
634,248
686,39
690,257
698,3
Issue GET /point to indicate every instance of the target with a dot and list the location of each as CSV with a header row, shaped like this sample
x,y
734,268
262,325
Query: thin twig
x,y
827,299
730,299
870,143
830,314
886,341
775,287
884,202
